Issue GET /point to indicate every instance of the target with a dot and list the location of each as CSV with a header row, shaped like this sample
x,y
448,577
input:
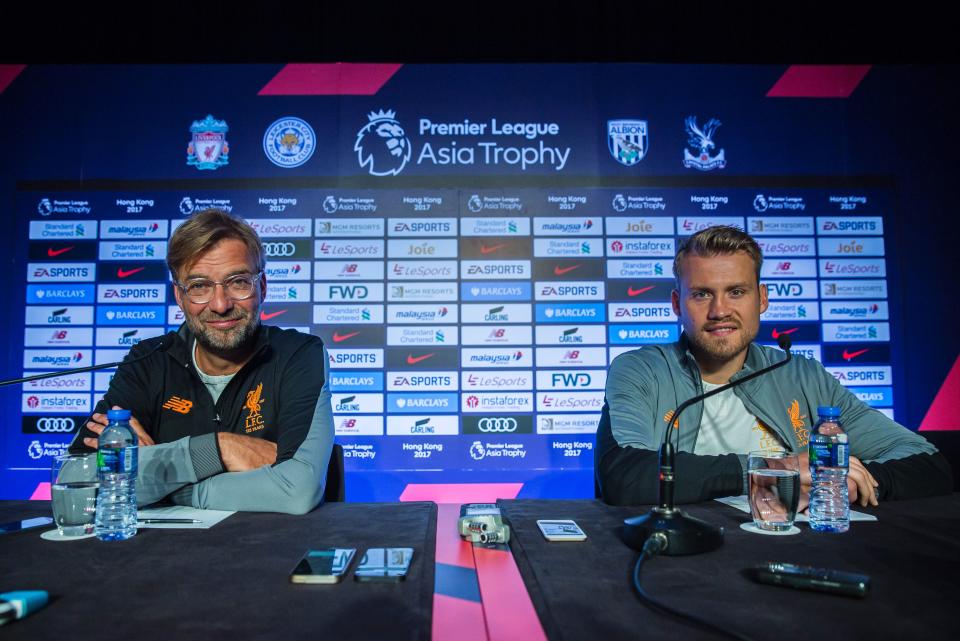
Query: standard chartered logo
x,y
279,249
488,425
49,425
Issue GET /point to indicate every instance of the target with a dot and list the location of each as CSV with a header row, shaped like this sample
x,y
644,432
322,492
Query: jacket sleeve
x,y
295,483
628,442
904,463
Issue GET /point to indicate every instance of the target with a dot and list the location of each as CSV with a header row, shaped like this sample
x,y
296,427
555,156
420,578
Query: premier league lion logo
x,y
382,145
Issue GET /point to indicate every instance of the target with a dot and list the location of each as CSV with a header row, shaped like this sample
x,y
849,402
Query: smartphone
x,y
804,577
25,524
326,565
384,564
561,530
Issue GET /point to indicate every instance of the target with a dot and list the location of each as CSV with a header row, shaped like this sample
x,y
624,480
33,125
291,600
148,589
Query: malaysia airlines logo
x,y
382,145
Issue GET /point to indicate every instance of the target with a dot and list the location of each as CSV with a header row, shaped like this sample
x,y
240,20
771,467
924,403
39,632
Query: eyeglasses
x,y
239,287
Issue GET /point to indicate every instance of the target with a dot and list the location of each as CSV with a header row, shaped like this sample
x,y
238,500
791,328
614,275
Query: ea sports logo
x,y
382,145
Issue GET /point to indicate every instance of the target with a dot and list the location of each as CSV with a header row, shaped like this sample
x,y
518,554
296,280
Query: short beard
x,y
224,343
722,350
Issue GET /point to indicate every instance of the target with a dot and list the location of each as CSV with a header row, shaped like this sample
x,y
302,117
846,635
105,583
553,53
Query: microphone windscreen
x,y
783,340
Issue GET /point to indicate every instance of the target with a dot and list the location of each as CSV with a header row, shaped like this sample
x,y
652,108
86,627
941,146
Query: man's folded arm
x,y
912,477
630,476
293,486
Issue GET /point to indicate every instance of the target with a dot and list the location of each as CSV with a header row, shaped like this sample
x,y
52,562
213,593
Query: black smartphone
x,y
384,564
326,565
25,524
804,577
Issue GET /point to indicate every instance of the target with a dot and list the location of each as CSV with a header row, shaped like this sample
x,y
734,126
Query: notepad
x,y
207,518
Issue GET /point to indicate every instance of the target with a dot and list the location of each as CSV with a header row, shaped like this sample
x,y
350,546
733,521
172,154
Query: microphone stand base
x,y
685,534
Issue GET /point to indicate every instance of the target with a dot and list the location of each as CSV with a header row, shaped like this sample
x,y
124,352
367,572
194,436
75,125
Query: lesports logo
x,y
382,145
289,142
498,425
49,425
276,250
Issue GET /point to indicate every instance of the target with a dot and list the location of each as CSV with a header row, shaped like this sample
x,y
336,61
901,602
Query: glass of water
x,y
73,493
774,488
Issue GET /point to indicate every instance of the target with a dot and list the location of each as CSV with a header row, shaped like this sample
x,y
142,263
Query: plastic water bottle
x,y
829,455
117,469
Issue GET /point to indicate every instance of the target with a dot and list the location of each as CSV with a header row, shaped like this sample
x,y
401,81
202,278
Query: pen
x,y
159,521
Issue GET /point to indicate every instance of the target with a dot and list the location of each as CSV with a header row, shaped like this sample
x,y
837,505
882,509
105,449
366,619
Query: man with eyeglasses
x,y
230,414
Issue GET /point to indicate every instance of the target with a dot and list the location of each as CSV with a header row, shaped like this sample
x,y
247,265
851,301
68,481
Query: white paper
x,y
741,503
207,518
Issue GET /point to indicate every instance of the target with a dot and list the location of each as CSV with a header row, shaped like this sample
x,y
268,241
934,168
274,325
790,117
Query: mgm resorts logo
x,y
382,145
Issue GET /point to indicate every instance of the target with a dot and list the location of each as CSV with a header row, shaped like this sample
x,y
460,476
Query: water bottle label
x,y
829,454
112,460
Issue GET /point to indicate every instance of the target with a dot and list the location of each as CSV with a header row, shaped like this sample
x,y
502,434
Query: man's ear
x,y
675,299
263,286
764,300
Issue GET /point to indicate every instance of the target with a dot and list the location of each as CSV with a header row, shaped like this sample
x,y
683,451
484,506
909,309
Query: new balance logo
x,y
178,405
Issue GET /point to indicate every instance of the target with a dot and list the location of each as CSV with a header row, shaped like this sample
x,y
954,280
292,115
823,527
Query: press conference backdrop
x,y
475,244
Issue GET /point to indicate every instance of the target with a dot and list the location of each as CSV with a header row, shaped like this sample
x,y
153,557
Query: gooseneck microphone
x,y
80,370
677,533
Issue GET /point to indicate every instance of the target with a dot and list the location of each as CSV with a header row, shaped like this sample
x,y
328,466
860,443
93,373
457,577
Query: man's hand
x,y
861,486
241,453
99,421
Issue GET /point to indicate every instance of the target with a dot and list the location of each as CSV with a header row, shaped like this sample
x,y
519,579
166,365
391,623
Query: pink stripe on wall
x,y
9,73
944,412
41,493
460,492
818,81
332,79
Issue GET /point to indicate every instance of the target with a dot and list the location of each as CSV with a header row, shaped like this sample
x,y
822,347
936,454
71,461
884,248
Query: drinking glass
x,y
774,488
73,493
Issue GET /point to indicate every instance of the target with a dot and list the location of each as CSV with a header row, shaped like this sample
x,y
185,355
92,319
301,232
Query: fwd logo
x,y
564,379
785,289
348,292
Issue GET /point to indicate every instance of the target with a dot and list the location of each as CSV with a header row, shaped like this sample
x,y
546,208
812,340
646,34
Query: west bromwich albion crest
x,y
208,148
627,140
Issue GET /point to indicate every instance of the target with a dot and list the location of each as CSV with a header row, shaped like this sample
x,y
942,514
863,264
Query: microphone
x,y
680,533
92,368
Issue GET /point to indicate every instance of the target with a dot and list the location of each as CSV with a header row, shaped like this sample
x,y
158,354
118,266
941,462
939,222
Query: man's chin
x,y
231,340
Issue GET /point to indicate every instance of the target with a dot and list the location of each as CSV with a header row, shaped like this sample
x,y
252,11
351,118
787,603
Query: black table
x,y
583,590
228,582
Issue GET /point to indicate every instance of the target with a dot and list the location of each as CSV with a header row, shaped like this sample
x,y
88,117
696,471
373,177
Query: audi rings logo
x,y
275,250
56,424
503,424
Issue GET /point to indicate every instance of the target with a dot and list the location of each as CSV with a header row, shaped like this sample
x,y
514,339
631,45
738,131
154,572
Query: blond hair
x,y
718,240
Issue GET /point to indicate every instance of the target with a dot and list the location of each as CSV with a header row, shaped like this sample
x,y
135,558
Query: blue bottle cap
x,y
25,601
828,411
118,415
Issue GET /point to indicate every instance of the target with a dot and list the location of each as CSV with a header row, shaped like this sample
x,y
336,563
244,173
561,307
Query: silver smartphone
x,y
325,565
384,564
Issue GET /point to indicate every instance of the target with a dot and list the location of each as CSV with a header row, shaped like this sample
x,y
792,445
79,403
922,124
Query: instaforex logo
x,y
384,149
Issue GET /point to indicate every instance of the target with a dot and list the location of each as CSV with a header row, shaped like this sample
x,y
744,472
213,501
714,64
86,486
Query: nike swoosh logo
x,y
413,360
123,273
777,334
636,292
339,338
52,253
489,250
560,271
265,316
849,356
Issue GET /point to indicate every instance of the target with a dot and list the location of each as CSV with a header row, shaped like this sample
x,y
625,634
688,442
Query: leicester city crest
x,y
289,142
382,145
627,140
208,148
